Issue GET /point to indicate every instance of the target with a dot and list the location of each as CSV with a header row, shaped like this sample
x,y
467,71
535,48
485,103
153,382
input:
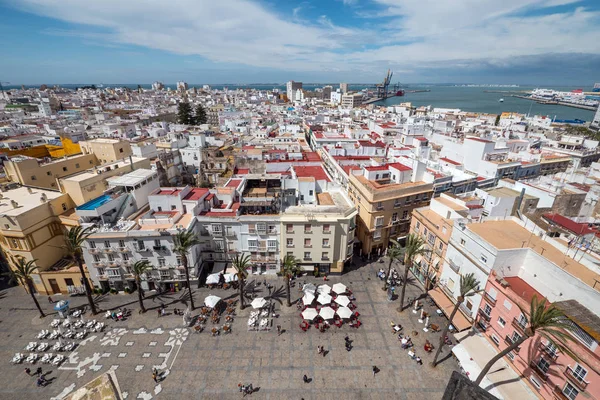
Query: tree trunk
x,y
497,357
445,333
140,297
385,283
37,304
184,261
404,281
86,284
287,288
241,288
426,281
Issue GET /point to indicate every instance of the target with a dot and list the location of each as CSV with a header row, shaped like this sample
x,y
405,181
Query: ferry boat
x,y
501,101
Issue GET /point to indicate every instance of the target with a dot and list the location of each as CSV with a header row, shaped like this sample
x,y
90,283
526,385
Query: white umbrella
x,y
258,302
212,279
342,301
324,289
339,288
309,287
308,298
344,312
327,312
324,299
211,301
309,313
231,278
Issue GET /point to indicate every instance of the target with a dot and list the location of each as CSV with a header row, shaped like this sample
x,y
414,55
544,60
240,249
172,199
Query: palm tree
x,y
74,239
289,268
469,285
184,241
22,274
241,263
549,322
139,269
415,246
394,253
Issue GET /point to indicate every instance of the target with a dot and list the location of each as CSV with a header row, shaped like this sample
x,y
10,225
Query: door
x,y
54,286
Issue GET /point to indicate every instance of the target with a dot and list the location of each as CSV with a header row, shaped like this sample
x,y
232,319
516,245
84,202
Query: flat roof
x,y
583,317
502,192
196,194
132,178
507,234
27,201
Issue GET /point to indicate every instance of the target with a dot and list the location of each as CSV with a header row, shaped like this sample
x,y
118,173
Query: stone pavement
x,y
206,367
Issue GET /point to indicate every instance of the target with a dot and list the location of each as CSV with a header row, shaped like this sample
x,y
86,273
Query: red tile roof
x,y
242,171
522,289
422,139
196,194
400,167
233,183
312,156
449,161
570,225
377,168
317,172
480,140
366,143
168,192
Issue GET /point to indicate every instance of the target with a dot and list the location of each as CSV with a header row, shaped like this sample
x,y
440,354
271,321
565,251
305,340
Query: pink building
x,y
551,373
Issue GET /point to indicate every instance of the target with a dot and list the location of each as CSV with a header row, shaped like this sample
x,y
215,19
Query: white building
x,y
291,89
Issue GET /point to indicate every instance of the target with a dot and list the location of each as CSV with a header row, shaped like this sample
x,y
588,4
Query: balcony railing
x,y
550,352
124,249
483,315
518,325
489,298
509,341
453,266
108,249
540,372
577,380
558,393
93,250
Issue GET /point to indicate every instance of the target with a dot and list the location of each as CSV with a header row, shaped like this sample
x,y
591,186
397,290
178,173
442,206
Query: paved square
x,y
206,367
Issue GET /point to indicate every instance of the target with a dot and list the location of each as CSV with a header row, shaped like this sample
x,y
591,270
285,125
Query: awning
x,y
219,266
307,267
474,351
460,322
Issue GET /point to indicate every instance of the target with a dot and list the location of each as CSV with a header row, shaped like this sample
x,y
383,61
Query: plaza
x,y
200,365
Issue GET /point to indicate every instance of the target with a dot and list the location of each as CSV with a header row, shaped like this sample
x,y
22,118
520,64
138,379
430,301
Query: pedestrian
x,y
155,377
278,330
38,371
50,300
40,381
159,313
375,370
28,371
305,378
418,360
319,349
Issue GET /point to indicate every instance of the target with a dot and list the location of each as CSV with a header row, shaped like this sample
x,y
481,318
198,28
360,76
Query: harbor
x,y
556,102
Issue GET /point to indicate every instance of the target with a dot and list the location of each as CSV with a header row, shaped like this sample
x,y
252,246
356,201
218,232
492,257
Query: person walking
x,y
40,381
375,370
154,377
38,371
50,300
159,313
28,371
305,378
278,330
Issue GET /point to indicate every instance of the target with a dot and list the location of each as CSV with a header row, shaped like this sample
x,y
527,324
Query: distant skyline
x,y
551,42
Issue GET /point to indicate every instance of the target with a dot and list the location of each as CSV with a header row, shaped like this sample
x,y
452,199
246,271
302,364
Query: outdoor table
x,y
55,323
57,347
76,313
46,358
58,359
42,347
66,323
263,323
31,346
439,312
251,321
397,328
17,359
90,324
32,358
78,324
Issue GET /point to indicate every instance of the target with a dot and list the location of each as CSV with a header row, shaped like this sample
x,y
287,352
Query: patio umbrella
x,y
327,312
231,278
344,312
324,299
309,314
258,302
309,287
324,289
342,301
211,301
212,279
308,298
339,288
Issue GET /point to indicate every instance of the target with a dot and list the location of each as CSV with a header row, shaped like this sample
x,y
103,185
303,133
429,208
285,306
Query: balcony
x,y
577,380
289,231
489,298
325,258
108,250
453,266
263,258
326,232
518,325
93,250
309,231
124,249
395,221
550,352
483,315
99,264
308,258
558,393
540,372
159,248
509,341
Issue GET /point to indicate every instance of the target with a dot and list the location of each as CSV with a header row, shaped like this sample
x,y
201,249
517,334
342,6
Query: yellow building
x,y
35,172
88,185
385,197
30,228
107,150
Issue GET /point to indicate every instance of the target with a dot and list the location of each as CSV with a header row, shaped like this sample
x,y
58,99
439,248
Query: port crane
x,y
382,88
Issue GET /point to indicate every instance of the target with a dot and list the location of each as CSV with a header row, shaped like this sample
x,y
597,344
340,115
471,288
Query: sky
x,y
555,42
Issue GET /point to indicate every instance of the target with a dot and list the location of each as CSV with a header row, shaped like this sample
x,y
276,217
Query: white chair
x,y
18,358
69,346
58,359
47,358
55,323
31,346
57,347
42,347
81,334
32,358
42,334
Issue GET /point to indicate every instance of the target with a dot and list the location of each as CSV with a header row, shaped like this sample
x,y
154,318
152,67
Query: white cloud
x,y
413,34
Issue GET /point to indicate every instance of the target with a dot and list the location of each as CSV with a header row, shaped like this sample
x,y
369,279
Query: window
x,y
463,242
307,243
570,391
441,246
507,304
125,256
543,365
111,258
121,243
397,203
120,150
92,244
395,217
450,284
64,169
100,271
165,274
501,320
515,337
405,214
496,340
425,231
157,243
252,243
484,259
217,229
106,244
261,228
64,206
178,260
76,165
310,192
377,234
431,238
289,228
307,228
33,178
444,230
579,372
290,243
219,245
325,256
511,356
140,245
492,293
418,226
379,205
161,262
378,221
272,244
96,258
326,228
49,173
325,242
307,255
487,310
531,378
114,272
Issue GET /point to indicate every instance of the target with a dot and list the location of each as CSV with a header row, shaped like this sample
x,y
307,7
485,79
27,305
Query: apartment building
x,y
352,100
385,197
30,228
147,234
106,150
31,171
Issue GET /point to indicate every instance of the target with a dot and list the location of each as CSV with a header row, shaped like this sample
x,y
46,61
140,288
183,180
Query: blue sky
x,y
244,41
